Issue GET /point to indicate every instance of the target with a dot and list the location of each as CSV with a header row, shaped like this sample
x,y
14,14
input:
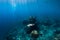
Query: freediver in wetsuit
x,y
32,27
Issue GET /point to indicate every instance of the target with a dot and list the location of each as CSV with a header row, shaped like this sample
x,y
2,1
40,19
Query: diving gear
x,y
33,28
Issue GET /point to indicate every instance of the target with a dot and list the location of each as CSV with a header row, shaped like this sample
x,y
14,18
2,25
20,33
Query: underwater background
x,y
13,12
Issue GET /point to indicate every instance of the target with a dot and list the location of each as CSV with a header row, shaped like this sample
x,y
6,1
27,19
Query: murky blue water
x,y
12,15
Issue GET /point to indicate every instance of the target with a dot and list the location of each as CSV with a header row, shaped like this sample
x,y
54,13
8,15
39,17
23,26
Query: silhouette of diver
x,y
32,27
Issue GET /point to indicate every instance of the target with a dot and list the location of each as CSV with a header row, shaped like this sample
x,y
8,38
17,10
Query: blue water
x,y
10,16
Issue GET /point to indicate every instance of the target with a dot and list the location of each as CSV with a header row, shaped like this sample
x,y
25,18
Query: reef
x,y
48,30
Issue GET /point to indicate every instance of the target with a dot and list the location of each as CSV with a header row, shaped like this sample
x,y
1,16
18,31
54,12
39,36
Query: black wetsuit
x,y
32,28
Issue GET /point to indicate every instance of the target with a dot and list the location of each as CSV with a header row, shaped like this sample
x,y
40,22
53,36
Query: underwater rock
x,y
34,34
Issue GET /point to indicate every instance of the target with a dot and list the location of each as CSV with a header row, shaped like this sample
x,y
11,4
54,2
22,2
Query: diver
x,y
32,27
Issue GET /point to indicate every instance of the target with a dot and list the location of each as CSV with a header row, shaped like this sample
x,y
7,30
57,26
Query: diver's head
x,y
32,19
